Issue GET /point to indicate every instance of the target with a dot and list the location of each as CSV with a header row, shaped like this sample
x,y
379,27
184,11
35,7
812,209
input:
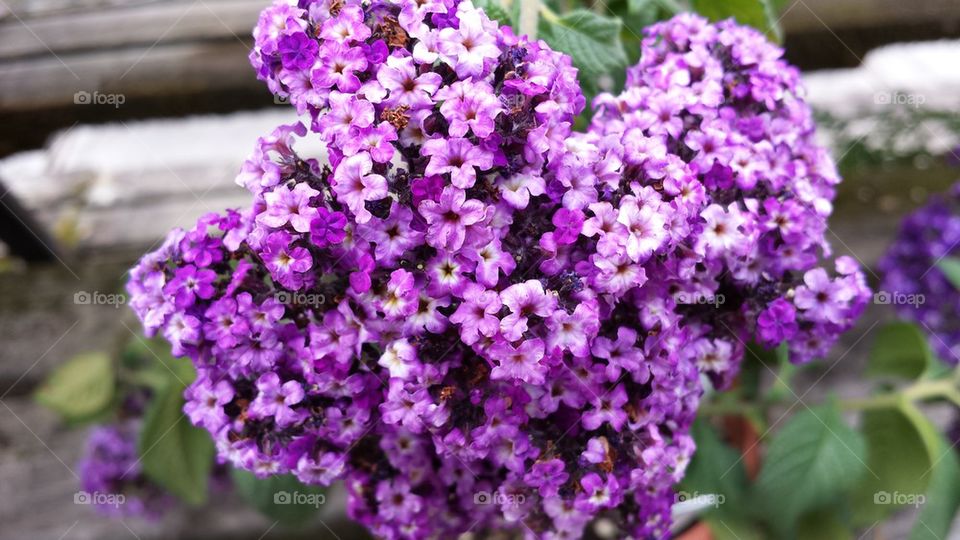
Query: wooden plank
x,y
835,15
173,69
146,224
28,9
126,25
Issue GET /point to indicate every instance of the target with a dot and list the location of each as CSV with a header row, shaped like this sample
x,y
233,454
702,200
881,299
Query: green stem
x,y
529,17
549,14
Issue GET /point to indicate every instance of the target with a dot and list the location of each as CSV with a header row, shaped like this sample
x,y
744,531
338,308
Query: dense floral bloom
x,y
111,477
718,165
472,316
912,281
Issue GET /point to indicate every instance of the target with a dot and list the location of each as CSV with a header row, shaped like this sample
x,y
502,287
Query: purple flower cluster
x,y
912,282
111,478
475,318
712,137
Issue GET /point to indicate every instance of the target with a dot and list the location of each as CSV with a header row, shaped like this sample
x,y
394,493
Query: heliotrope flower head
x,y
912,281
466,312
111,477
714,143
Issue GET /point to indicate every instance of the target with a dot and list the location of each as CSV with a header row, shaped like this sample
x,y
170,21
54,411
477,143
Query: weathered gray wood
x,y
172,69
28,9
836,15
140,225
125,26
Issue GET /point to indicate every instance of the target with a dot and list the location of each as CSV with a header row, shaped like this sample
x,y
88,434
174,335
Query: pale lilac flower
x,y
448,218
356,184
457,157
289,205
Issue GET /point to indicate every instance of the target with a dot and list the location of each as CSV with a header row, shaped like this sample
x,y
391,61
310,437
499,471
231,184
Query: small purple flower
x,y
346,114
406,87
491,260
356,184
821,298
200,248
607,409
377,141
327,228
285,261
457,157
205,401
429,187
521,362
469,106
598,493
524,300
360,279
297,51
400,299
285,205
469,47
190,283
276,401
346,27
448,218
777,323
477,314
111,475
547,477
339,66
569,223
224,324
397,501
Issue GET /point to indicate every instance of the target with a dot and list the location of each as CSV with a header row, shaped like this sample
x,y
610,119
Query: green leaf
x,y
716,468
760,14
810,462
900,447
668,7
282,498
824,524
950,266
901,350
732,528
942,497
81,388
174,453
592,40
497,12
636,16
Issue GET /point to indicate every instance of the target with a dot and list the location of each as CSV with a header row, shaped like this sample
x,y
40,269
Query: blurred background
x,y
124,118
